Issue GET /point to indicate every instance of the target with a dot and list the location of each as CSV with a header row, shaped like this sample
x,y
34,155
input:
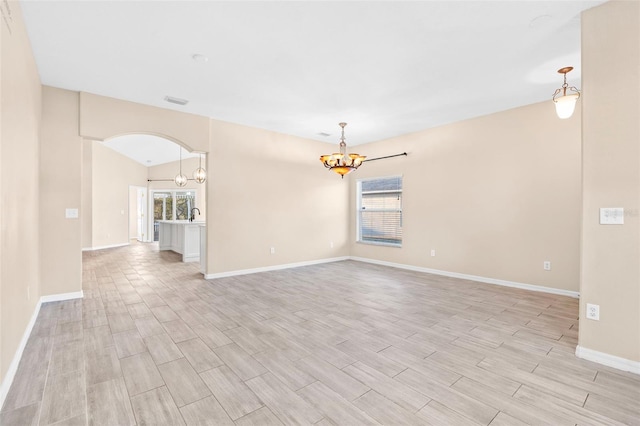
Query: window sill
x,y
374,243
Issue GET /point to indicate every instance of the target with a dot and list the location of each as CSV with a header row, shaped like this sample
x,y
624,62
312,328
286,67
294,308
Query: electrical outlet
x,y
546,265
273,250
593,312
433,252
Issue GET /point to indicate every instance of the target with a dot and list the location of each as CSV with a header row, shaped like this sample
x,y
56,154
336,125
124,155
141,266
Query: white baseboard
x,y
608,360
105,247
13,367
15,362
273,268
486,280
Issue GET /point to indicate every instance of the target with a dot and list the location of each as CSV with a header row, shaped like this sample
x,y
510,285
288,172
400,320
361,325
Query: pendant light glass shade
x,y
180,179
200,174
565,105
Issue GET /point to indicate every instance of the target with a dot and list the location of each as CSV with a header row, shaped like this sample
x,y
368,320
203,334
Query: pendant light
x,y
200,174
341,162
565,102
180,179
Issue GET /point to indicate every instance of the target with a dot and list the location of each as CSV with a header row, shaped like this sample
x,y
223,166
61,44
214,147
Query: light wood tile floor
x,y
344,343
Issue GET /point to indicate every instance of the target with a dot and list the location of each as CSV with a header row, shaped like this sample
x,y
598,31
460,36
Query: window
x,y
171,205
162,206
185,201
380,211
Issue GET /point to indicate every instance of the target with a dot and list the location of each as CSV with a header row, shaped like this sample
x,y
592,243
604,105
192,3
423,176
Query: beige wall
x,y
170,170
133,213
495,196
112,173
611,178
3,364
102,118
86,196
20,103
267,189
60,188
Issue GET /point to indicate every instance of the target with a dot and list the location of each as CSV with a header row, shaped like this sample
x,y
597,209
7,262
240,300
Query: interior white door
x,y
141,213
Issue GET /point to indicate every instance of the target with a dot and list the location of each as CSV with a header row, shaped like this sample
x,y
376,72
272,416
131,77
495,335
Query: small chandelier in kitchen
x,y
200,174
180,179
341,162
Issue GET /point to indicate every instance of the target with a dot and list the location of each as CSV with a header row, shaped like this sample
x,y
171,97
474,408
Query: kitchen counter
x,y
181,236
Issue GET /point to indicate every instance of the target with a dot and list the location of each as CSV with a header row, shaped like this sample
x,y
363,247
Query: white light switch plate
x,y
612,216
71,213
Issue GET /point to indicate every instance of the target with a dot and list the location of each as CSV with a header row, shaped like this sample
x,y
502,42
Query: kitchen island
x,y
181,236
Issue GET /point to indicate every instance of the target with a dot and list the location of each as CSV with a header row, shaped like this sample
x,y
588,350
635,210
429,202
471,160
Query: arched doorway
x,y
131,187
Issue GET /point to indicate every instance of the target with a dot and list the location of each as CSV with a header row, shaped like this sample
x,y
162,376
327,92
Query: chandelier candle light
x,y
341,162
565,102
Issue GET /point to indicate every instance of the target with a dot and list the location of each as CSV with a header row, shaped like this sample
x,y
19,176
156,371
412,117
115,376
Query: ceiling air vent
x,y
176,100
324,134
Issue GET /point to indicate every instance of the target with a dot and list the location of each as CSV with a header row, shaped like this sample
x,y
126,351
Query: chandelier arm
x,y
388,156
165,180
574,89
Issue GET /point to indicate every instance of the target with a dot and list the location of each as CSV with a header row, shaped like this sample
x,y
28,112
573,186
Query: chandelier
x,y
565,102
180,179
200,174
341,162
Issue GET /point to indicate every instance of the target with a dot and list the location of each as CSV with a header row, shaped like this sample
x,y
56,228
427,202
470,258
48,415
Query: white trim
x,y
486,280
13,367
62,296
273,268
15,362
105,247
608,360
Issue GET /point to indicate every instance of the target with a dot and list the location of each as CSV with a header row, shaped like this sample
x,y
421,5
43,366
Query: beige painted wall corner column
x,y
610,267
86,204
60,189
20,104
267,189
495,196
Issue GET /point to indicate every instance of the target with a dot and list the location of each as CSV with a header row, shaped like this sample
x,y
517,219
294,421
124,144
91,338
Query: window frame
x,y
174,193
359,210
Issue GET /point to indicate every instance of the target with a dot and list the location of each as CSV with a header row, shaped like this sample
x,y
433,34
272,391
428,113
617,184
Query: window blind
x,y
380,210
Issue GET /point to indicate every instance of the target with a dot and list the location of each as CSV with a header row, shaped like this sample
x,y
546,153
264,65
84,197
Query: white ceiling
x,y
385,67
148,150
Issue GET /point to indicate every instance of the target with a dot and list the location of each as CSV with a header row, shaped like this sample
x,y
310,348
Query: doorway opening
x,y
138,213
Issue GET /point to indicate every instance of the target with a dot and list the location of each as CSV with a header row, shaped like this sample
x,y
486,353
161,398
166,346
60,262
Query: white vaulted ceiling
x,y
148,150
387,68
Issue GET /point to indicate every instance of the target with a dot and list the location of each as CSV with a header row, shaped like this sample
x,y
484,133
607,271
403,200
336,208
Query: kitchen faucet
x,y
193,215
